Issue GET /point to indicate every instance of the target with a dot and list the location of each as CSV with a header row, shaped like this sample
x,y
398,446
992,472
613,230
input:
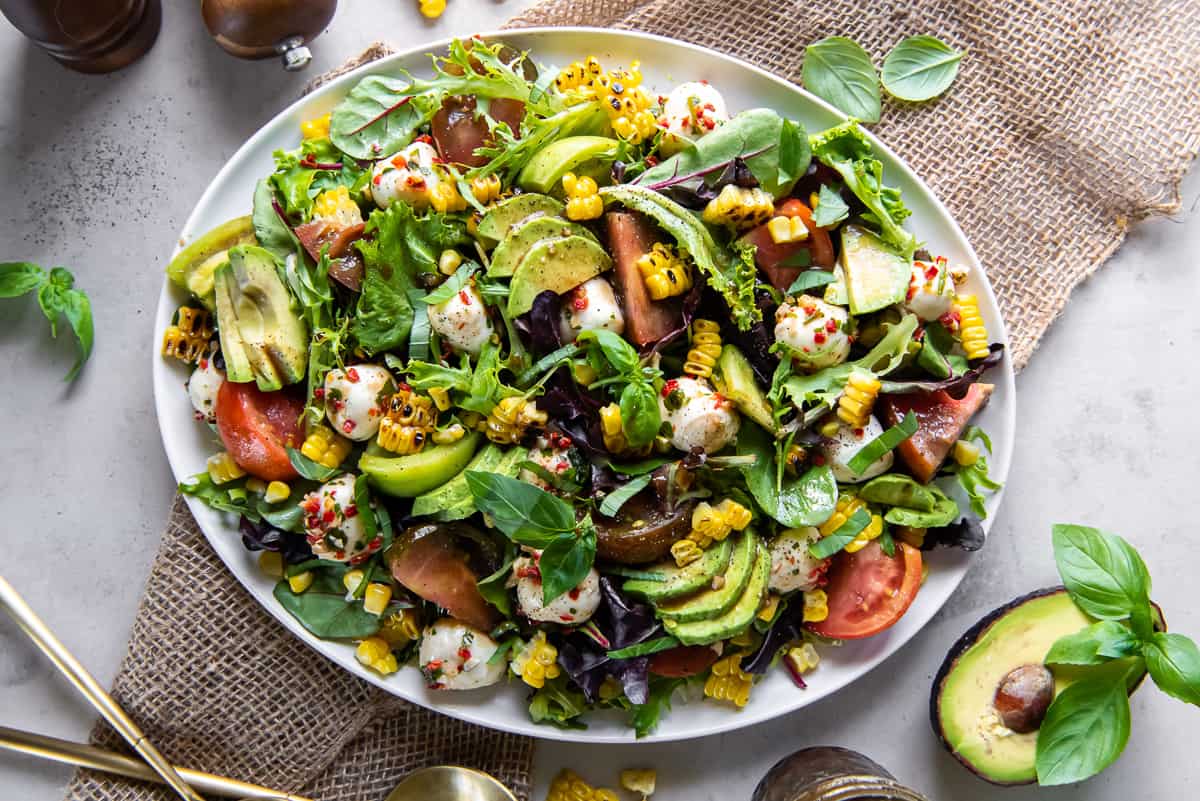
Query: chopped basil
x,y
842,536
874,450
644,648
616,499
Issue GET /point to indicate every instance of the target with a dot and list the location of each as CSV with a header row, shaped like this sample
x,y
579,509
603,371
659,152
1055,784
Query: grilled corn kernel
x,y
769,608
966,453
256,485
325,447
440,397
335,205
376,653
400,628
486,188
583,197
739,207
301,581
222,468
277,492
271,564
973,332
705,350
612,428
784,230
431,9
511,418
803,658
449,434
583,372
352,579
795,458
536,661
188,338
449,261
685,552
711,523
407,422
728,682
316,128
872,531
444,197
829,427
816,606
640,781
568,786
664,272
377,597
912,535
855,404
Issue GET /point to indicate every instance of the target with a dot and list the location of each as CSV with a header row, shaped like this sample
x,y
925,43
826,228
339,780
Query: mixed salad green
x,y
536,373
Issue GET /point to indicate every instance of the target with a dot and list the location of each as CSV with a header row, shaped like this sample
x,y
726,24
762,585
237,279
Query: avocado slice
x,y
876,276
710,603
524,235
961,704
735,380
556,264
193,267
676,581
233,347
453,500
418,473
741,615
496,223
582,155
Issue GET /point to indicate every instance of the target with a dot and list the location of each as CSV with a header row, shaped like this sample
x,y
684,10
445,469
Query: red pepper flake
x,y
858,432
377,180
319,393
565,618
352,375
204,364
328,516
574,594
339,555
579,300
434,664
704,81
931,273
819,337
351,511
405,387
831,325
464,654
670,387
465,297
348,426
376,544
651,161
425,139
819,460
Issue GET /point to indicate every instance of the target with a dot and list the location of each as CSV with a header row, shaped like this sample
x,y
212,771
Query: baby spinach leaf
x,y
920,68
229,497
526,514
494,588
616,499
842,536
840,72
1085,728
1103,573
378,117
1098,643
270,229
895,489
874,450
830,209
565,562
1174,664
645,648
805,501
324,610
619,353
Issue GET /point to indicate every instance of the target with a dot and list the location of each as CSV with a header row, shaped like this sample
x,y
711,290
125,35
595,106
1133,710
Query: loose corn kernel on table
x,y
86,486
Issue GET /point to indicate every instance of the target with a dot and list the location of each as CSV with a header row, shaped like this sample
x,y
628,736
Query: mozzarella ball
x,y
408,177
462,321
202,387
842,447
792,566
354,399
333,523
591,306
455,656
814,330
699,417
930,290
692,110
570,609
555,461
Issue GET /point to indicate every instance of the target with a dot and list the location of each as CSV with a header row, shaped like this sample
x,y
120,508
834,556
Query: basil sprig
x,y
611,356
1087,725
57,296
874,450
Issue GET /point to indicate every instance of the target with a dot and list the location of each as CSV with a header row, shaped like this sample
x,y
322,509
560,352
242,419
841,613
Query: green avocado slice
x,y
737,618
583,155
501,217
679,581
735,380
558,265
711,603
525,235
418,473
194,266
453,500
876,276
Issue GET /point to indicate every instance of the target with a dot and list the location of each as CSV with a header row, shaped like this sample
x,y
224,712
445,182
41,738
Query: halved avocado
x,y
527,233
417,473
876,276
558,265
712,603
676,581
504,215
193,267
741,615
734,379
453,500
962,704
583,155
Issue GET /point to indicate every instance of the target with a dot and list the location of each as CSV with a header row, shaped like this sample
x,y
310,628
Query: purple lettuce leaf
x,y
952,384
624,623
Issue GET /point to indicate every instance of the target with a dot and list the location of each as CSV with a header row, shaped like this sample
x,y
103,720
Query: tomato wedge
x,y
869,591
770,256
256,428
684,661
458,131
427,560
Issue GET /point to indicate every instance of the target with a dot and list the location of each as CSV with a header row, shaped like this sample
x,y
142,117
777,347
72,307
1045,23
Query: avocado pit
x,y
1023,697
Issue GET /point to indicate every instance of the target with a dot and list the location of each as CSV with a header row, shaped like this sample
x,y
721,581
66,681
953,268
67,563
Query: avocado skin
x,y
193,267
453,500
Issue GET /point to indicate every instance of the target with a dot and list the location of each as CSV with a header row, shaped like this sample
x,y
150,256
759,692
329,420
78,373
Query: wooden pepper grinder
x,y
264,28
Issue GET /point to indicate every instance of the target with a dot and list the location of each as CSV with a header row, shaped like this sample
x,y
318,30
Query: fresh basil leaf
x,y
421,332
494,588
550,361
362,500
1174,663
809,280
451,286
645,648
1098,643
230,497
792,157
805,501
323,609
19,278
638,468
565,562
874,450
830,209
920,68
613,502
840,72
887,544
619,353
1085,728
78,311
309,469
842,536
526,514
640,416
1103,573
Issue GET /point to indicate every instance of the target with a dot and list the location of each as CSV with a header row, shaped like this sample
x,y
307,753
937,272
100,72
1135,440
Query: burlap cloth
x,y
1069,120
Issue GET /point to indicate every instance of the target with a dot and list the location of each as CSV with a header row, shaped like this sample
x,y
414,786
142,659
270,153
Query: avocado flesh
x,y
273,335
453,500
876,276
193,267
501,217
735,380
583,155
418,473
233,347
711,603
678,581
738,617
525,235
558,265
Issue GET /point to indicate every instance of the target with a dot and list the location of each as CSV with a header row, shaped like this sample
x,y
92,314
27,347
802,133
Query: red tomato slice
x,y
457,131
770,255
426,560
684,661
869,591
257,426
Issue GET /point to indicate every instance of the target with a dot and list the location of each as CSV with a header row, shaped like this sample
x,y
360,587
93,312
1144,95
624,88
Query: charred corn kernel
x,y
222,468
664,272
706,349
613,429
728,682
966,453
795,458
449,261
855,404
377,597
473,223
473,420
638,126
511,418
973,333
325,447
803,658
685,552
440,397
271,563
568,786
400,628
335,205
583,372
829,427
536,661
188,338
769,608
277,491
301,581
641,781
352,579
711,523
816,606
787,229
316,128
449,434
431,9
486,188
583,197
375,653
407,422
444,197
739,207
256,485
847,505
959,273
912,535
872,531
